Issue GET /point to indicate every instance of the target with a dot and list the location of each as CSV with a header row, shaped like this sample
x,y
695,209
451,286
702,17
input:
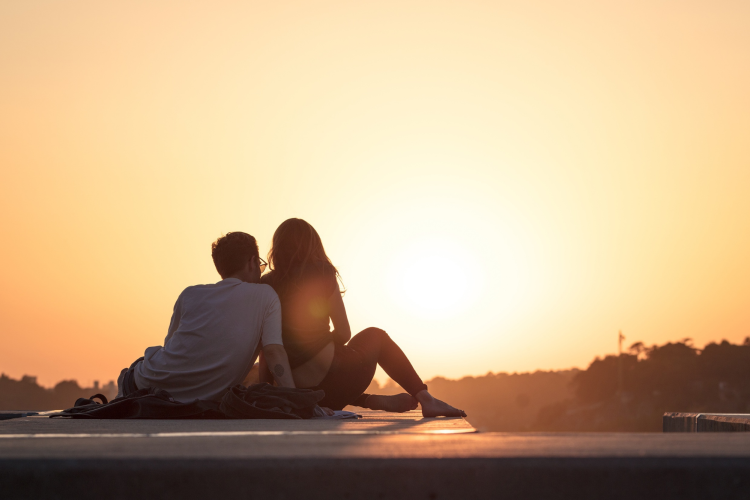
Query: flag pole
x,y
620,338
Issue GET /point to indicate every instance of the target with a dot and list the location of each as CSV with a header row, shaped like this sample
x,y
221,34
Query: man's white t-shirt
x,y
212,339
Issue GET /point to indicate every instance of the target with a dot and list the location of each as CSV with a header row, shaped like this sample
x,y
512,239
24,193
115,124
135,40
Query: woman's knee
x,y
374,334
369,340
373,330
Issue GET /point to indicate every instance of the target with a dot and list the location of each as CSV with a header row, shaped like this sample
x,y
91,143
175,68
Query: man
x,y
216,331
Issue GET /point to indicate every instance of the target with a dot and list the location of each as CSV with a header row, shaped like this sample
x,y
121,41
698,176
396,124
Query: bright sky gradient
x,y
503,184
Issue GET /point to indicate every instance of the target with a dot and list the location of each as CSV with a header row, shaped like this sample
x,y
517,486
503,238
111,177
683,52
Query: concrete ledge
x,y
679,422
8,415
379,456
475,478
706,422
723,423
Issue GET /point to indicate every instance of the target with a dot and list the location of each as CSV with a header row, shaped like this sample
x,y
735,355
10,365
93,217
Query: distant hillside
x,y
655,380
672,377
26,394
498,401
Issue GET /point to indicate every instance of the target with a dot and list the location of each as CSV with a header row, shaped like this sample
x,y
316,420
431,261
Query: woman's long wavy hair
x,y
296,246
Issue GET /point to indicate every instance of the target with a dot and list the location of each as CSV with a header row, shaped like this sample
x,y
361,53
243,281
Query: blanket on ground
x,y
257,401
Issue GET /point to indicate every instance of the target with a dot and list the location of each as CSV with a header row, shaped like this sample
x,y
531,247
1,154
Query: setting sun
x,y
432,279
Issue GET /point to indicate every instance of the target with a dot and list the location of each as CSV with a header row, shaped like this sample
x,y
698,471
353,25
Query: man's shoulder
x,y
232,286
261,289
197,289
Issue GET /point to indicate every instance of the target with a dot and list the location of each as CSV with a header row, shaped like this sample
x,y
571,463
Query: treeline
x,y
657,379
626,393
629,392
498,401
26,394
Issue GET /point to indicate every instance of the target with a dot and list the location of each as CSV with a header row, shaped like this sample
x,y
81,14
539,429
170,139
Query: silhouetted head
x,y
237,253
296,246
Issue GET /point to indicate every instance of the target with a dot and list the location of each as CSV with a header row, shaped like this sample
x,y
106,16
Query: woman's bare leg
x,y
376,344
397,403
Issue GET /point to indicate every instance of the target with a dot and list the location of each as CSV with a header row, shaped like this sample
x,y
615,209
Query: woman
x,y
341,365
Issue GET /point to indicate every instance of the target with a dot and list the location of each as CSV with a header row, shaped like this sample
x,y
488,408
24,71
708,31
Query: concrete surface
x,y
373,422
706,422
7,415
380,456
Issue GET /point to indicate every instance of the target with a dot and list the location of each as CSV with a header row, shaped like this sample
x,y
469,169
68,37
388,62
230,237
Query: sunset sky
x,y
503,185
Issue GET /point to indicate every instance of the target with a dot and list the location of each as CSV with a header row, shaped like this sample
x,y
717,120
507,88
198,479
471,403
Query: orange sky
x,y
503,185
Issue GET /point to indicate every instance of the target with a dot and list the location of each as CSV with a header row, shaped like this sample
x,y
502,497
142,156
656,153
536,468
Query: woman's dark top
x,y
305,309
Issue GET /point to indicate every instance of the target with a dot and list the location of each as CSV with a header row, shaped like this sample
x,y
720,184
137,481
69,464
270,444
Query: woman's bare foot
x,y
398,403
432,407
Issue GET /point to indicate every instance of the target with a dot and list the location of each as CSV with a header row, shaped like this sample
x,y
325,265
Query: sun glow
x,y
435,280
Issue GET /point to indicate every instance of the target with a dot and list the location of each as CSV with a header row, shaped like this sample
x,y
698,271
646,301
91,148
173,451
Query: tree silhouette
x,y
672,377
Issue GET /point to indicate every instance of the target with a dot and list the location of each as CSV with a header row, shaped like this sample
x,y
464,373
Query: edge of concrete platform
x,y
372,423
366,478
11,414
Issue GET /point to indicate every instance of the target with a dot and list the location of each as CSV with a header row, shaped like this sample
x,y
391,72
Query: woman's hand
x,y
339,337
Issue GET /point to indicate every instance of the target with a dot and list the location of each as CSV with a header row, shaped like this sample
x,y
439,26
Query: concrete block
x,y
705,422
679,422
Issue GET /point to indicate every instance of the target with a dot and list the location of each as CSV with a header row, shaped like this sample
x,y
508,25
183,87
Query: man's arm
x,y
264,374
278,364
175,321
274,353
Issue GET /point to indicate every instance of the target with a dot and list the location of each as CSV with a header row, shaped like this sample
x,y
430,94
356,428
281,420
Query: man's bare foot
x,y
432,407
119,382
398,403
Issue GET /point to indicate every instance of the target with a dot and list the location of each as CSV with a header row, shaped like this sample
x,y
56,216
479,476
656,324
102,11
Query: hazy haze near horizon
x,y
503,185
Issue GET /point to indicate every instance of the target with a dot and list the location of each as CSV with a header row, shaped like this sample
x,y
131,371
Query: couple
x,y
218,331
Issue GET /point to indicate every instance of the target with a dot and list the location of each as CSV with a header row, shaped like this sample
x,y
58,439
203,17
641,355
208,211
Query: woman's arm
x,y
341,330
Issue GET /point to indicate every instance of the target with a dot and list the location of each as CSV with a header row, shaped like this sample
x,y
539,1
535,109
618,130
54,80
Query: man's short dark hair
x,y
231,251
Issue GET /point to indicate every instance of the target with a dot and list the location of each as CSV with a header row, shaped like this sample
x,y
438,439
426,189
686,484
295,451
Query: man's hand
x,y
278,364
322,411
